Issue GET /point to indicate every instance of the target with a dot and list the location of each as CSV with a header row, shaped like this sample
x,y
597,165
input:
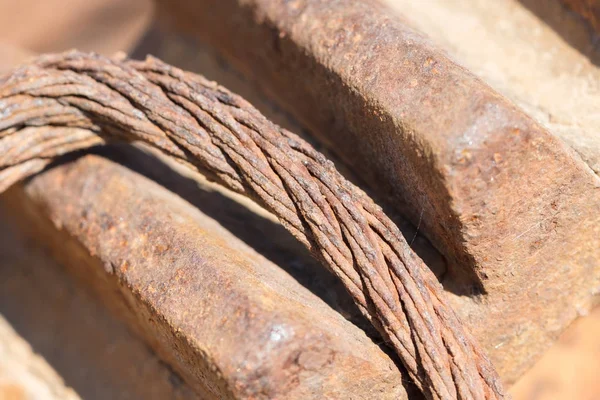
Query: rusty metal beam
x,y
231,323
81,349
499,195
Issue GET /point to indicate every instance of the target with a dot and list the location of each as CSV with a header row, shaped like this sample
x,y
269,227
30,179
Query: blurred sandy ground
x,y
104,26
570,370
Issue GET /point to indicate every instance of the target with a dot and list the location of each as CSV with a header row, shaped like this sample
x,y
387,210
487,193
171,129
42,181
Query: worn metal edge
x,y
68,328
498,194
232,324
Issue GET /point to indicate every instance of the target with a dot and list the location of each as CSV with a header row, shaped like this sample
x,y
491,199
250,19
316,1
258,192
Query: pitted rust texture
x,y
77,341
588,9
231,323
513,209
208,128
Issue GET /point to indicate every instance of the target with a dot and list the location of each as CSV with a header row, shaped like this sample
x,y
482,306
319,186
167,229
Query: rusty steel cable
x,y
60,103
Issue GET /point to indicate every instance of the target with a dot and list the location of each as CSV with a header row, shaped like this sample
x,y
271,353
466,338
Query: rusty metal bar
x,y
230,322
212,129
77,348
499,195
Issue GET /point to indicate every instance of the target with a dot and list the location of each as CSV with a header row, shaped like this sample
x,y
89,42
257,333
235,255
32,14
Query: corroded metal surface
x,y
94,353
498,194
555,78
214,130
231,323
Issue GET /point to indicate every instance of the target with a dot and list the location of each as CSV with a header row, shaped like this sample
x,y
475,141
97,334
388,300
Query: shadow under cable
x,y
268,238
